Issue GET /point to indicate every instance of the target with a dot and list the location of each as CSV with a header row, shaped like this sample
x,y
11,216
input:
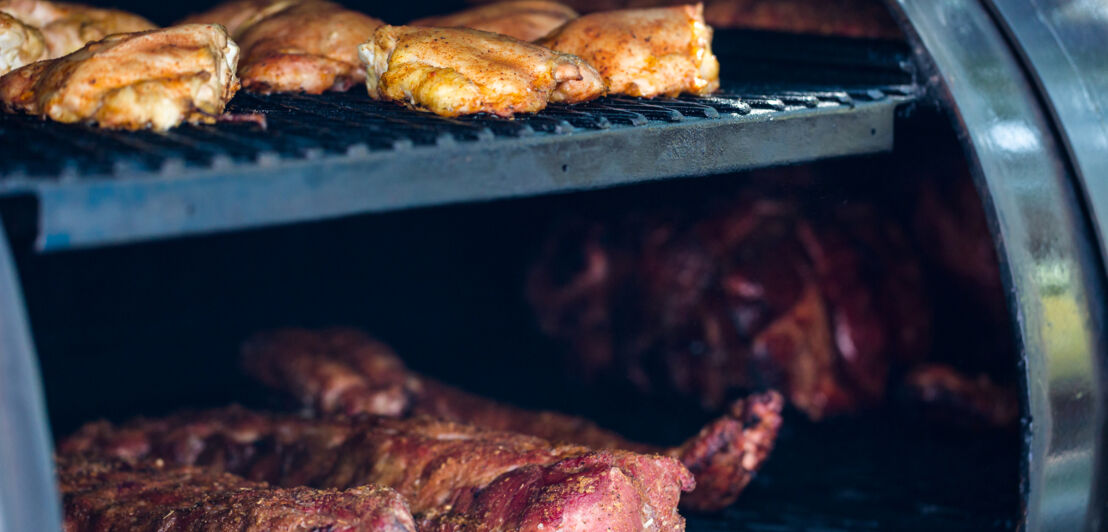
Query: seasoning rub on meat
x,y
101,494
454,477
342,371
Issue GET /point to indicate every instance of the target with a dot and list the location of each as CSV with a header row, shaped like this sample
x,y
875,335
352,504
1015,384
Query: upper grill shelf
x,y
342,153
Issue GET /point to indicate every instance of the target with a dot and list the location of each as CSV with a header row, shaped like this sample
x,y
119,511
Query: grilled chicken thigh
x,y
20,44
525,20
155,79
454,477
67,27
456,71
238,15
295,46
644,52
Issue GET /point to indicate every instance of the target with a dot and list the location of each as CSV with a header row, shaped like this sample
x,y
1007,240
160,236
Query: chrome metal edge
x,y
28,495
1044,244
1063,43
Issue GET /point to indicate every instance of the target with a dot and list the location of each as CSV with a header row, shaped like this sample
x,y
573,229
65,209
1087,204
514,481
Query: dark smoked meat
x,y
343,371
453,476
945,393
106,494
738,294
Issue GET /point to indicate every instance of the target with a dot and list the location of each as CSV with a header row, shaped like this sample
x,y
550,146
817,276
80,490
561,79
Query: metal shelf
x,y
343,154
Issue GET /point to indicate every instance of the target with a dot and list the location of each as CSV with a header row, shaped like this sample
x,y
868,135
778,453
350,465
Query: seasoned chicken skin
x,y
455,71
238,15
295,46
20,44
525,20
644,52
154,79
68,27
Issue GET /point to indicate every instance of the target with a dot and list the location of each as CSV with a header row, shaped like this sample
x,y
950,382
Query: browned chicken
x,y
342,371
237,15
454,477
848,18
99,494
154,79
644,52
525,20
67,27
457,71
295,46
20,44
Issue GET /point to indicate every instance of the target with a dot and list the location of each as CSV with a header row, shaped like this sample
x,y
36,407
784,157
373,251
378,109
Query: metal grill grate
x,y
307,127
342,153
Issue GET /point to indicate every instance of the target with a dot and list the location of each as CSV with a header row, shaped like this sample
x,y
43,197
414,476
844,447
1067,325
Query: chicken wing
x,y
295,46
343,371
68,27
459,71
155,79
644,52
20,44
525,20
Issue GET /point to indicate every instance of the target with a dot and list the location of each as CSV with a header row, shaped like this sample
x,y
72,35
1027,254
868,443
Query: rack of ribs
x,y
343,371
453,476
101,494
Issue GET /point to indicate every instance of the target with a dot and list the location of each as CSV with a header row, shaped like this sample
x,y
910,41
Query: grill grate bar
x,y
309,126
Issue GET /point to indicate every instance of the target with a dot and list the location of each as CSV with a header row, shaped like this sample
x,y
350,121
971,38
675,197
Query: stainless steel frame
x,y
28,496
1054,275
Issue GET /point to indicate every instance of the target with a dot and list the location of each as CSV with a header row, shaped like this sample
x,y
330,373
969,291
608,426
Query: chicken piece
x,y
847,18
68,27
237,15
102,494
644,52
343,371
154,79
525,20
454,477
20,44
306,46
455,72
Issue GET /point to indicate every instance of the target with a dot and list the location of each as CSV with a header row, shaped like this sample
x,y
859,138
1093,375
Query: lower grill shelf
x,y
341,153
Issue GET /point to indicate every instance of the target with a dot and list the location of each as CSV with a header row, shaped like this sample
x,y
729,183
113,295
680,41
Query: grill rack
x,y
309,127
342,153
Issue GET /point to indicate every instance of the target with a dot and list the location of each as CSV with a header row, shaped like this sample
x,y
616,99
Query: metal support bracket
x,y
28,496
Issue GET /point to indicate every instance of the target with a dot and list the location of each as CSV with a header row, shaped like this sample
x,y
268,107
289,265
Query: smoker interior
x,y
151,328
146,329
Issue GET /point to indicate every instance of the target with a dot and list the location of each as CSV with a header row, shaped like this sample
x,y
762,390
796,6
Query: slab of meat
x,y
104,494
342,371
294,45
454,477
738,293
459,71
525,20
151,79
644,52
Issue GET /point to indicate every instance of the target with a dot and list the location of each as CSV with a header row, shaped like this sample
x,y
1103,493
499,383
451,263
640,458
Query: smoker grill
x,y
1021,84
